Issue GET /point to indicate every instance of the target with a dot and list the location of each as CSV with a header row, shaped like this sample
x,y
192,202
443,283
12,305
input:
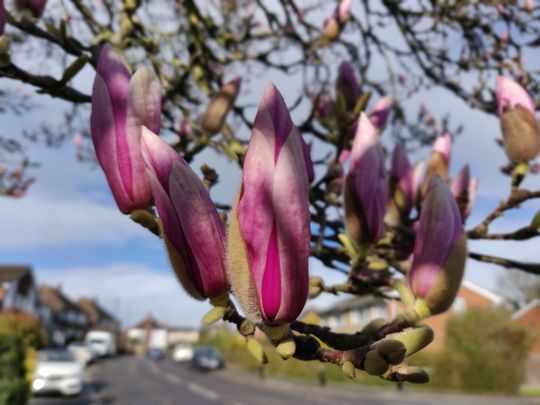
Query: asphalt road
x,y
135,381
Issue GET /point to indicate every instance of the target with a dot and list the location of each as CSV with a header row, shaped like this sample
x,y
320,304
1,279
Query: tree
x,y
192,48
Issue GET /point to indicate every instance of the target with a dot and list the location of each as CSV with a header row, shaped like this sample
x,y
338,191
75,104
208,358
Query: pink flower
x,y
366,186
380,112
269,237
121,104
440,249
35,7
463,189
347,85
402,180
192,229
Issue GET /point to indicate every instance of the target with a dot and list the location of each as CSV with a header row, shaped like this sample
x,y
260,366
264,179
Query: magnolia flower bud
x,y
401,180
439,160
521,138
366,186
220,105
462,186
528,5
347,85
380,112
192,229
269,232
440,249
34,7
334,24
121,104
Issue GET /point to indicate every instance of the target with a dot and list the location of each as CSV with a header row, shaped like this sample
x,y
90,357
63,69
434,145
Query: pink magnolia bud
x,y
366,186
220,105
347,85
440,249
2,17
439,161
401,180
121,104
473,188
528,5
334,24
35,7
521,138
461,187
192,229
380,112
269,233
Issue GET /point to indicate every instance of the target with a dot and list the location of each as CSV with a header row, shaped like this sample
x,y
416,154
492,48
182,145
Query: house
x,y
150,333
529,316
352,314
64,320
18,291
470,295
98,317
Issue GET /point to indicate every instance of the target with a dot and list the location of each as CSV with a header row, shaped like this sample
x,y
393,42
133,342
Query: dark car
x,y
155,354
207,358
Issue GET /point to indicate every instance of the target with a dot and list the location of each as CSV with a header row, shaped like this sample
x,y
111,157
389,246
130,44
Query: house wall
x,y
531,319
465,299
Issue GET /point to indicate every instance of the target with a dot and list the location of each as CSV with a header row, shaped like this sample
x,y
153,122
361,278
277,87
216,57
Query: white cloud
x,y
42,222
130,290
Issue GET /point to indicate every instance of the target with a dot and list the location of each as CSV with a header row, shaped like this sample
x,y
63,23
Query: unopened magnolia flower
x,y
192,229
380,112
440,249
35,7
366,186
121,104
347,85
220,105
335,23
402,180
269,233
521,138
439,161
464,190
528,5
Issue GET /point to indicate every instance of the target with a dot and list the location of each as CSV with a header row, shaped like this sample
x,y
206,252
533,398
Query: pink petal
x,y
439,230
510,93
203,228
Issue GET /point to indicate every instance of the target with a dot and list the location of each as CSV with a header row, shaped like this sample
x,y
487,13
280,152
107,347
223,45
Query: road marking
x,y
172,378
205,392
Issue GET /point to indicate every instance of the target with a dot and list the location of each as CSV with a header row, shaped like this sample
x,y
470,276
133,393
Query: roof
x,y
149,323
93,310
10,273
350,303
519,313
55,299
494,298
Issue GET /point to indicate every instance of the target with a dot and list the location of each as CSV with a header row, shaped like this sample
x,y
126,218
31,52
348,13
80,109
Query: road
x,y
135,381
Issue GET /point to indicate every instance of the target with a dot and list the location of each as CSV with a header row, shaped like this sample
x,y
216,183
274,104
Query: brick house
x,y
18,291
61,317
529,316
98,317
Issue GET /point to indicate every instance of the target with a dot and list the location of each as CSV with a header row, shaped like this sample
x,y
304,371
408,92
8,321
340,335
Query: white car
x,y
182,353
103,343
57,371
83,352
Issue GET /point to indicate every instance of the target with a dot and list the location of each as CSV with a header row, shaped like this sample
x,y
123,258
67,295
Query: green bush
x,y
485,351
14,388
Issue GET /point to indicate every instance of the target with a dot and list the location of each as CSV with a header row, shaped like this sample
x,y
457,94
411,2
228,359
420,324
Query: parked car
x,y
182,353
103,343
155,354
83,352
57,371
207,358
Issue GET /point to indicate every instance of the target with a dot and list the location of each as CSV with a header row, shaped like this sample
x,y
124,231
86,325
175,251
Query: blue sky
x,y
68,228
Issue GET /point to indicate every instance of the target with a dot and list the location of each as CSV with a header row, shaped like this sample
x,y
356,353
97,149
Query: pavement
x,y
134,381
